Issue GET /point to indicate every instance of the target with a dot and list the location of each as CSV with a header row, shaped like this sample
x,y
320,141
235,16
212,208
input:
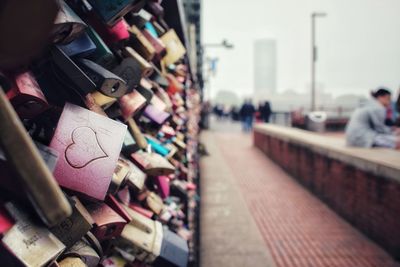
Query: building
x,y
265,70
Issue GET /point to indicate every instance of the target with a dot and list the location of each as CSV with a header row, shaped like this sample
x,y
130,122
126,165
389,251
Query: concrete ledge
x,y
361,185
378,161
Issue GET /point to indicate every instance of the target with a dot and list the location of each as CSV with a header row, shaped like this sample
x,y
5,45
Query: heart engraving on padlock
x,y
84,149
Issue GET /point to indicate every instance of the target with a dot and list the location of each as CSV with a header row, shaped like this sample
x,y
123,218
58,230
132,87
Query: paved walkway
x,y
254,214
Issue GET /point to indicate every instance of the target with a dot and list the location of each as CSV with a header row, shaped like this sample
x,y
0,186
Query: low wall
x,y
362,185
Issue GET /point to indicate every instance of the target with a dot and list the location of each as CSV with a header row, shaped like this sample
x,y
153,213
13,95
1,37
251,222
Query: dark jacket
x,y
247,110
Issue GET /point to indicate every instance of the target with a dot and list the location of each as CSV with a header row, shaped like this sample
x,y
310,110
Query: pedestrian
x,y
247,115
258,114
396,108
218,110
266,112
367,128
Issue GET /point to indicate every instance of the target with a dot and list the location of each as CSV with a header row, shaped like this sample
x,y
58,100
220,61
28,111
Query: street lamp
x,y
314,55
225,44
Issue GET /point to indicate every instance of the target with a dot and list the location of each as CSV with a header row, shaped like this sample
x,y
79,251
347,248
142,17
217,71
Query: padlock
x,y
146,67
174,47
154,203
55,77
178,188
111,35
157,146
185,233
177,121
140,43
113,203
162,183
102,100
131,104
142,237
165,217
163,95
6,221
129,146
173,151
140,209
114,261
159,28
180,71
174,85
151,29
153,164
159,78
152,244
137,133
159,47
106,82
81,47
145,89
90,103
119,176
139,19
127,174
72,229
111,11
178,102
174,251
136,178
72,73
67,26
158,103
155,8
179,143
156,115
168,131
102,55
26,96
129,70
107,223
85,252
89,145
31,244
124,195
72,262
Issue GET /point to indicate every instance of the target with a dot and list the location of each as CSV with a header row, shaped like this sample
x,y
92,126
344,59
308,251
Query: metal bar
x,y
33,174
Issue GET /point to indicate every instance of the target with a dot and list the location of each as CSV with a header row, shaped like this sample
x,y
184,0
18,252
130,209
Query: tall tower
x,y
264,67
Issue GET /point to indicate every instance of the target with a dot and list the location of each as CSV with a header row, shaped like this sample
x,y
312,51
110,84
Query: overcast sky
x,y
359,42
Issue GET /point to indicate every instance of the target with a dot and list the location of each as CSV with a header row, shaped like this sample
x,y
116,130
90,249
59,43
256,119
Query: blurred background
x,y
270,58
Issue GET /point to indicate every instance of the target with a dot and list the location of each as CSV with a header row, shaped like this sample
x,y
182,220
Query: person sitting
x,y
367,128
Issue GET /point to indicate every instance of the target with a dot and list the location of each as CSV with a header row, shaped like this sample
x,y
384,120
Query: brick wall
x,y
371,203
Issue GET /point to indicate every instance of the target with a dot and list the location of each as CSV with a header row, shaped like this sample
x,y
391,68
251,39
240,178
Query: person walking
x,y
266,111
396,108
247,113
367,128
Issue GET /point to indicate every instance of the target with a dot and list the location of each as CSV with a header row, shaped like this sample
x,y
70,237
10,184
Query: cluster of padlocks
x,y
99,141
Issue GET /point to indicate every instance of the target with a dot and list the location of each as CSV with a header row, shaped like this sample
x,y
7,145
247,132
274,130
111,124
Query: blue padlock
x,y
82,46
111,11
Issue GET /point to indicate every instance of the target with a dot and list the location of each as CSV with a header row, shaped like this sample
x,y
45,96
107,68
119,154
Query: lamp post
x,y
224,44
211,62
314,56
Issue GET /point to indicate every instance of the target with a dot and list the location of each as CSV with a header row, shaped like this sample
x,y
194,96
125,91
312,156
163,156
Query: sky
x,y
358,43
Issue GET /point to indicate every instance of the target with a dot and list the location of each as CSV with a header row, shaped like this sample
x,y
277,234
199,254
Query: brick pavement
x,y
297,228
229,235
